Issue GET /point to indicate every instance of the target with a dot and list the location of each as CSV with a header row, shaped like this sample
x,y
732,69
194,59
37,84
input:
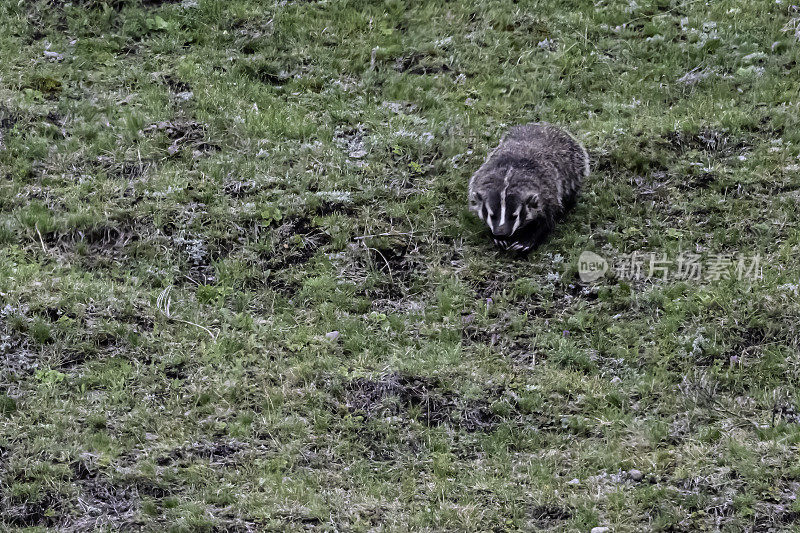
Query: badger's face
x,y
508,215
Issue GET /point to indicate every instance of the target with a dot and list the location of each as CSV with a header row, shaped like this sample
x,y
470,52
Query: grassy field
x,y
240,289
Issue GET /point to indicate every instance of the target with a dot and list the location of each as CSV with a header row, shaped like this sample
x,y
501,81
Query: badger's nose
x,y
503,230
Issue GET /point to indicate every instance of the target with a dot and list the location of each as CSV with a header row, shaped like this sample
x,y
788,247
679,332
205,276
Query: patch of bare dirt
x,y
221,452
17,355
8,118
329,207
158,3
102,246
547,515
655,153
102,504
396,394
176,85
418,63
104,240
272,70
352,140
236,188
25,121
295,241
43,511
398,261
182,134
492,283
124,170
714,142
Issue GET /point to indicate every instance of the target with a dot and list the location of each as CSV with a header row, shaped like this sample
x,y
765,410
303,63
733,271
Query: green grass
x,y
240,289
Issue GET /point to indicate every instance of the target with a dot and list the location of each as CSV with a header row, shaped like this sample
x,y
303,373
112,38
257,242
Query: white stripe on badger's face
x,y
489,214
503,196
517,219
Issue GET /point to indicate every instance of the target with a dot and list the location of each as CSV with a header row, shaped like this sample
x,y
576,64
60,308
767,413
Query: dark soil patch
x,y
43,511
157,3
490,284
175,370
420,64
148,487
8,118
295,242
83,470
213,451
123,170
175,85
476,335
646,154
752,339
397,261
240,188
397,394
182,134
700,180
104,504
713,142
97,247
103,239
391,258
16,354
250,47
272,71
775,517
27,121
544,516
218,452
577,289
331,207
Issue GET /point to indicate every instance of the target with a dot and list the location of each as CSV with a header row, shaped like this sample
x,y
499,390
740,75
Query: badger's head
x,y
509,215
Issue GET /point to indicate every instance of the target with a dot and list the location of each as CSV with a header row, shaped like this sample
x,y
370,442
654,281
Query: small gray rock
x,y
53,55
636,475
601,529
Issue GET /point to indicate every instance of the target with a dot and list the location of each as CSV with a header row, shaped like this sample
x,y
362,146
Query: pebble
x,y
332,335
601,529
574,481
636,475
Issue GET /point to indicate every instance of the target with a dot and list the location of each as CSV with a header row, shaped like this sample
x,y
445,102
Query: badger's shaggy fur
x,y
532,176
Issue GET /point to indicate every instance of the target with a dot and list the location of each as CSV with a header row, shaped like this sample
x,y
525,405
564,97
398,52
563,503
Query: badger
x,y
526,183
